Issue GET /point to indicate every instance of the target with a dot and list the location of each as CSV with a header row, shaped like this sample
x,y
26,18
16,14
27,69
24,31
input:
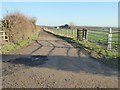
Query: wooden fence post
x,y
3,35
84,33
73,33
87,35
109,39
79,34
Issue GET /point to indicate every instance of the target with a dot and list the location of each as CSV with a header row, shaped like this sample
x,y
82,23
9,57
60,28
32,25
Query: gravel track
x,y
51,62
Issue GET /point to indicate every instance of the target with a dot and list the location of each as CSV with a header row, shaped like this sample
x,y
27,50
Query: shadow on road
x,y
74,64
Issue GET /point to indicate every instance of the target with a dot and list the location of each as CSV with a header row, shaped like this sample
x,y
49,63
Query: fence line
x,y
107,38
3,36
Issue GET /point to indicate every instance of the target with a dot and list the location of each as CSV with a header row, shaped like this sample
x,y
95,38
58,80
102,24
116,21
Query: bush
x,y
18,26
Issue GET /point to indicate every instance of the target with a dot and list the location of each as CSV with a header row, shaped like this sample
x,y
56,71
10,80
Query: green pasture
x,y
96,36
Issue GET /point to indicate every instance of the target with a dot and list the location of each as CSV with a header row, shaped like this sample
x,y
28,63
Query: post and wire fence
x,y
108,38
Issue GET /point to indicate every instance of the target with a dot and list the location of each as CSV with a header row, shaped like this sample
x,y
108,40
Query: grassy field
x,y
99,37
65,32
102,38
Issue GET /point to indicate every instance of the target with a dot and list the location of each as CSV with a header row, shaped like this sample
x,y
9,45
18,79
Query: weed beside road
x,y
11,46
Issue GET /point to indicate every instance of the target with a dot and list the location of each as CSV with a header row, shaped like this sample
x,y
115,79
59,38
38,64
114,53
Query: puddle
x,y
22,63
34,60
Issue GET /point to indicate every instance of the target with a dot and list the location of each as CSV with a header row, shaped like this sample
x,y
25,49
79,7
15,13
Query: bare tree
x,y
72,25
33,20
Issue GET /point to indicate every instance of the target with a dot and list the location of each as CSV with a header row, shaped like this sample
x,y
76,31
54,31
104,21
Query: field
x,y
96,36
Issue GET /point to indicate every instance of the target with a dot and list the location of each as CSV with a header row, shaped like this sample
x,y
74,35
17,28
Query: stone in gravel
x,y
14,65
54,82
75,86
38,83
42,84
53,74
48,85
3,79
97,87
65,79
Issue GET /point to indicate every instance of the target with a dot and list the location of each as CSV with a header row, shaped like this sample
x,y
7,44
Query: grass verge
x,y
11,46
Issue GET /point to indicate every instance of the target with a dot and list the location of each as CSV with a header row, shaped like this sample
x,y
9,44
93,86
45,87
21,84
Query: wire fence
x,y
109,39
65,32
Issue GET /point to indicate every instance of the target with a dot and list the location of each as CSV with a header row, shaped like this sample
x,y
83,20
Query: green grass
x,y
90,45
107,57
100,37
65,32
11,46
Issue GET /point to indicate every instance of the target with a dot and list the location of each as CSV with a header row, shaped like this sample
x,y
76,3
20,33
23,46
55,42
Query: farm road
x,y
51,62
